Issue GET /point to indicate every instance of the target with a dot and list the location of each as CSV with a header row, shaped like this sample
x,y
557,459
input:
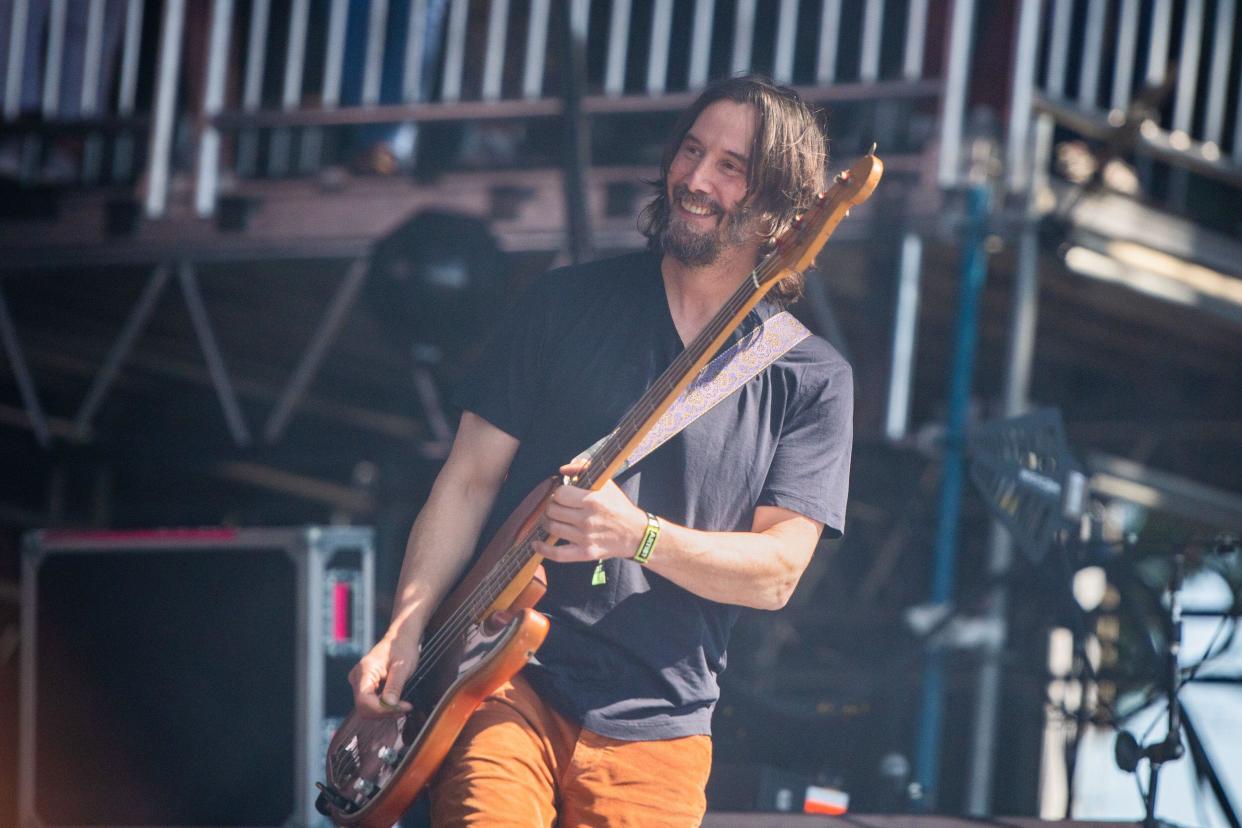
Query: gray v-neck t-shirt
x,y
638,656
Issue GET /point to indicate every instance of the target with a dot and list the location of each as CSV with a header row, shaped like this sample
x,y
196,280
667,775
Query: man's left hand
x,y
593,525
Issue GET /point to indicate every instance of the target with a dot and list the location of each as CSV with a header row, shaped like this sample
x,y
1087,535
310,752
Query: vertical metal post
x,y
905,328
55,59
1017,148
334,54
291,89
657,56
786,30
18,23
455,52
829,37
701,42
1092,54
743,35
1185,93
1158,44
873,30
576,135
1237,126
252,85
1218,74
372,75
618,45
89,104
1188,64
207,181
21,372
974,273
1127,40
123,150
536,50
957,78
1021,357
160,143
1058,66
330,91
415,49
494,56
916,35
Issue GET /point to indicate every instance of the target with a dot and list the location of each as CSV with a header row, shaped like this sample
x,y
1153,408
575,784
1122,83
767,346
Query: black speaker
x,y
186,677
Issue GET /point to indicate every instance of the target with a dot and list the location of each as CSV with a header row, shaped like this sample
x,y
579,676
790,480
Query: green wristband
x,y
647,545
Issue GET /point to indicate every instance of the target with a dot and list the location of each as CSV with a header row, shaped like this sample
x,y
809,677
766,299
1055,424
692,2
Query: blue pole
x,y
966,334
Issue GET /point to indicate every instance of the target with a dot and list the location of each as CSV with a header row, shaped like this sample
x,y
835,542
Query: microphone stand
x,y
1126,750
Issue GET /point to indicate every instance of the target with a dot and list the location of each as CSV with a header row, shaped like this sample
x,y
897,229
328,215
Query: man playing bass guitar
x,y
610,722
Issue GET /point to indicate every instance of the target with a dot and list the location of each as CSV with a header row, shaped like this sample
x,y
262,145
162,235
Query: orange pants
x,y
520,763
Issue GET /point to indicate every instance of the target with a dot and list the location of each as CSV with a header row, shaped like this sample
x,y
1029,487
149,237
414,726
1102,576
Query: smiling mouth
x,y
694,206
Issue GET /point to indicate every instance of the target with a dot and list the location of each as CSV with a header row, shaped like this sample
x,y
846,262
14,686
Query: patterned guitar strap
x,y
729,371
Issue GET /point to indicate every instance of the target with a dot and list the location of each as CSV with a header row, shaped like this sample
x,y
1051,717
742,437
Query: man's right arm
x,y
440,546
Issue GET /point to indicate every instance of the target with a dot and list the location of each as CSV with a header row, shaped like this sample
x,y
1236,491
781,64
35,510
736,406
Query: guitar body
x,y
376,767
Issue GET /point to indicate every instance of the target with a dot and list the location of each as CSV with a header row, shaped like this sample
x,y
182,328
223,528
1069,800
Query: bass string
x,y
509,565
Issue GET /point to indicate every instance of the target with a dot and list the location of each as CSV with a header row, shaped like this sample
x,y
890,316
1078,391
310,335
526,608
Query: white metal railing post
x,y
19,14
291,87
829,39
455,52
1092,55
916,37
207,180
905,330
957,78
252,84
159,147
373,72
1158,43
657,55
786,32
1021,96
701,42
494,54
1123,64
123,149
873,32
55,57
743,35
536,50
618,45
1218,75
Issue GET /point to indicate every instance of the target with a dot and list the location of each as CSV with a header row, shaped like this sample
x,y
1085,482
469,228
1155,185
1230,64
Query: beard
x,y
701,248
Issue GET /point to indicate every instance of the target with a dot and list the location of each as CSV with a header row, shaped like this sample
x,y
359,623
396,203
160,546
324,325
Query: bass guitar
x,y
485,631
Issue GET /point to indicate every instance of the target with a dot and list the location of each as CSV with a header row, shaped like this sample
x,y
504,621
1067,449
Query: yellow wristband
x,y
647,545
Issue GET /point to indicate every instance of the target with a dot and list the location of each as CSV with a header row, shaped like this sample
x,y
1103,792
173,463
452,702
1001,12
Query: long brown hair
x,y
788,162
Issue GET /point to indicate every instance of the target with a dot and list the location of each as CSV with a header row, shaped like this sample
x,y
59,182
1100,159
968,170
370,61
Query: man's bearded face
x,y
697,247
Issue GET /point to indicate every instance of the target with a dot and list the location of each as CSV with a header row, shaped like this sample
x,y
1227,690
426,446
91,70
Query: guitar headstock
x,y
801,243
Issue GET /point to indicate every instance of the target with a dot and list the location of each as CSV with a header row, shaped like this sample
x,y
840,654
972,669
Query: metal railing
x,y
257,93
1149,79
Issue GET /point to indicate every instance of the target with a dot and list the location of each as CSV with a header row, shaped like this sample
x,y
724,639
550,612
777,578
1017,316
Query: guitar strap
x,y
729,371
